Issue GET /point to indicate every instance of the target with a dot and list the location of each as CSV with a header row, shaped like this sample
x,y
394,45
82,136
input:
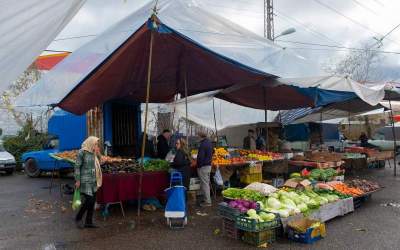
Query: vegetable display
x,y
242,205
156,165
364,185
344,189
322,174
244,194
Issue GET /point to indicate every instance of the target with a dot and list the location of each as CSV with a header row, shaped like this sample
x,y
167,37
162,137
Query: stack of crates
x,y
252,173
258,233
229,215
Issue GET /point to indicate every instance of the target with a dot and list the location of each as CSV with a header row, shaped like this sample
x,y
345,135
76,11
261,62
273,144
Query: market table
x,y
124,187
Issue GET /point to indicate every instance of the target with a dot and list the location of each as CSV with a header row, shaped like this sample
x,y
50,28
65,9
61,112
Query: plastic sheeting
x,y
27,28
235,51
334,111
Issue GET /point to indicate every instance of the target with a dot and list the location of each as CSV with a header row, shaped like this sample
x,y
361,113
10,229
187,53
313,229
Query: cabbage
x,y
252,212
267,216
313,204
260,204
303,207
304,198
274,195
288,203
273,203
284,213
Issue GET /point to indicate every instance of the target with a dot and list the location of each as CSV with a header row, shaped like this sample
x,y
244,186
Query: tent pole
x,y
320,131
266,120
186,112
394,136
145,121
215,122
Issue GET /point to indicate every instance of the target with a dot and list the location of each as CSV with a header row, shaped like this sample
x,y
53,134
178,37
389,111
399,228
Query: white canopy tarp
x,y
211,31
371,94
27,28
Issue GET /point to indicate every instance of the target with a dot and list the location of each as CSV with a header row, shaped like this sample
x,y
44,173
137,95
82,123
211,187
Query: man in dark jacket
x,y
163,144
204,159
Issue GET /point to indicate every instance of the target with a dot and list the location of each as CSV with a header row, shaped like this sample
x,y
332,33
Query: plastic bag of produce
x,y
218,178
262,188
76,200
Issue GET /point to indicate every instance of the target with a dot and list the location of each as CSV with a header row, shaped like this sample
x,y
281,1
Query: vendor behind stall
x,y
163,144
260,141
249,142
181,161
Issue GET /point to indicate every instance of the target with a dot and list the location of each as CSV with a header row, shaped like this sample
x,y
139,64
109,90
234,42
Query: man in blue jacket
x,y
204,159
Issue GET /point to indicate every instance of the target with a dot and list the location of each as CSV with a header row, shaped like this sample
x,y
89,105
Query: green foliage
x,y
27,139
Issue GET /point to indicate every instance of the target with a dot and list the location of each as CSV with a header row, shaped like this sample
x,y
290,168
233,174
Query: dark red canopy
x,y
124,74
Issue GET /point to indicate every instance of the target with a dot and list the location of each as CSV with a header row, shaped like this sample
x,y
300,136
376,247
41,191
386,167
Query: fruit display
x,y
364,185
68,155
221,152
113,166
259,157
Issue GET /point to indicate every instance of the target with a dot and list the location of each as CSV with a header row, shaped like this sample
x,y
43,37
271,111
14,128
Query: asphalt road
x,y
32,218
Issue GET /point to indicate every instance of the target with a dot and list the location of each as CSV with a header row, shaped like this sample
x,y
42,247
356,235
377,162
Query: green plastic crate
x,y
251,225
259,238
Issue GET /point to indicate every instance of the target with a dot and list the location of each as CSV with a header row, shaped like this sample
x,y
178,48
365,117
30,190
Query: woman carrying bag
x,y
181,162
88,179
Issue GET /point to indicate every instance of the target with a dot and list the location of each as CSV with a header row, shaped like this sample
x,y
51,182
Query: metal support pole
x,y
394,136
145,122
186,112
266,120
215,121
320,131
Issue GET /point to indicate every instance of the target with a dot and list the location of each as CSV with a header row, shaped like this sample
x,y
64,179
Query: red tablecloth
x,y
123,187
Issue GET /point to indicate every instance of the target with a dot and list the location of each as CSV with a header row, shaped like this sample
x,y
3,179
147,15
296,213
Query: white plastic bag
x,y
263,188
218,178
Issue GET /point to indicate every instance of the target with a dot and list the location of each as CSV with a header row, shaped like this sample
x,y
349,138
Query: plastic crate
x,y
250,178
310,236
227,212
229,229
253,169
251,225
259,238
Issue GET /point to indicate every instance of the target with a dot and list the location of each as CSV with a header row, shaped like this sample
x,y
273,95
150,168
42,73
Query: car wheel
x,y
31,168
10,172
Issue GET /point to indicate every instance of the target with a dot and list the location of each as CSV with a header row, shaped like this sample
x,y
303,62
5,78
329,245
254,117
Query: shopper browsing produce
x,y
88,178
163,144
204,159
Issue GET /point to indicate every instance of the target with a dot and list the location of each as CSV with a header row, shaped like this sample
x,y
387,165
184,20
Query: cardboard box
x,y
291,183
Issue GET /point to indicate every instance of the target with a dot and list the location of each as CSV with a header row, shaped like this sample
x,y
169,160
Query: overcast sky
x,y
316,21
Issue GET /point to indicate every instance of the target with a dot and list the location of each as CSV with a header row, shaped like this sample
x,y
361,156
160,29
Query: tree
x,y
26,80
361,65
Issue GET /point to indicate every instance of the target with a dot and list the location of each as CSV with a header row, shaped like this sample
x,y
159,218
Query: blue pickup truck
x,y
66,132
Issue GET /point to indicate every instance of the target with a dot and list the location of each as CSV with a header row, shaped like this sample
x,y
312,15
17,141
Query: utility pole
x,y
269,19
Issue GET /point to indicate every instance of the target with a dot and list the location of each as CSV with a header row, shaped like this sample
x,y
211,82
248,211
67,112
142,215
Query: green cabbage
x,y
303,207
274,203
284,213
267,216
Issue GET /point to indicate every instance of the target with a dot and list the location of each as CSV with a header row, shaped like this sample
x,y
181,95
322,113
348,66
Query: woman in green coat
x,y
88,179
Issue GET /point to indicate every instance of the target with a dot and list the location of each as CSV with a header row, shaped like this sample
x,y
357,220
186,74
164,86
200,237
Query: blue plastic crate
x,y
306,237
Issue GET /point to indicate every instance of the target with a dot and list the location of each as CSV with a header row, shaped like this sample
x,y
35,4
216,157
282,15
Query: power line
x,y
365,7
338,47
350,19
297,22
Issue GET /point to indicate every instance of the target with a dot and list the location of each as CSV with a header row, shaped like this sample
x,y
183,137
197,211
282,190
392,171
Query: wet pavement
x,y
32,218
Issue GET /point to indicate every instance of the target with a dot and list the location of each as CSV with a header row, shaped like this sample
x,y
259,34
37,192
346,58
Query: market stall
x,y
260,213
121,178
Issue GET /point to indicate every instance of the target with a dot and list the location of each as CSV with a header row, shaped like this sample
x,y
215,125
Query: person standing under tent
x,y
163,144
88,178
260,141
204,159
249,142
182,162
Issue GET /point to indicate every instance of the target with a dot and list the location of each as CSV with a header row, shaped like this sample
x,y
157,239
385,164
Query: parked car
x,y
383,138
7,161
67,131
